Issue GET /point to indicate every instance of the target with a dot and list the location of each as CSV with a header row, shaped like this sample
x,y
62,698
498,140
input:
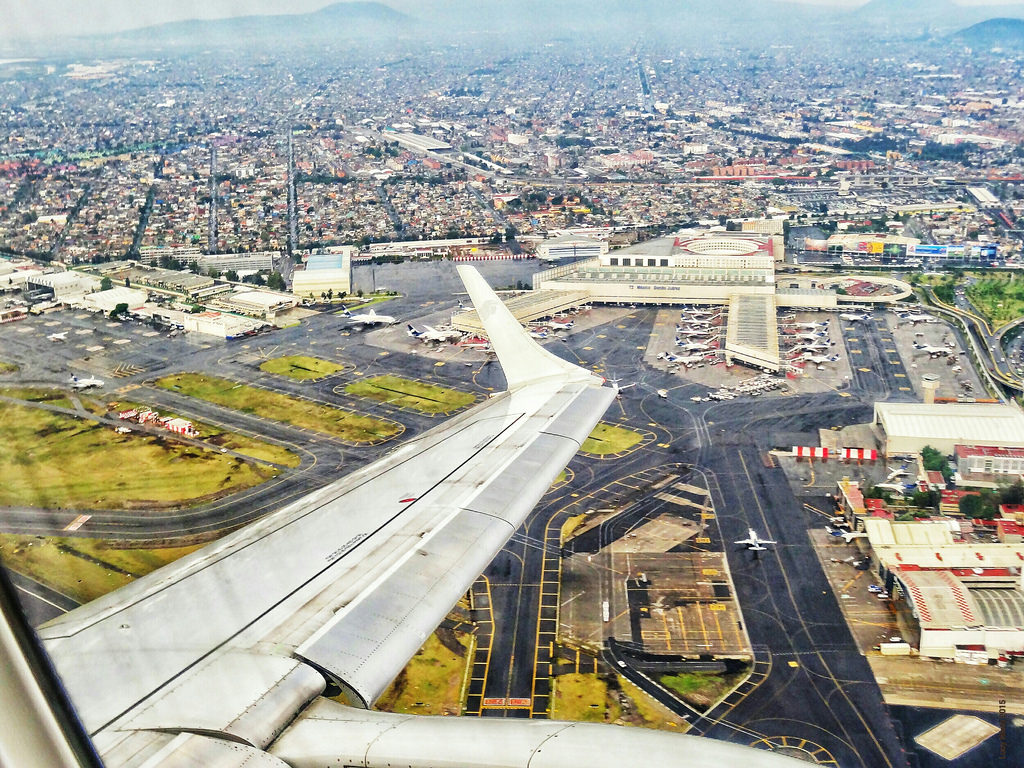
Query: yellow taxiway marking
x,y
864,370
905,389
900,375
794,663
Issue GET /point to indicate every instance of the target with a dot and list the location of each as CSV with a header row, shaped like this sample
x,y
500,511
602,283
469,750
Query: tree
x,y
106,284
1012,494
119,311
935,461
276,281
977,506
231,275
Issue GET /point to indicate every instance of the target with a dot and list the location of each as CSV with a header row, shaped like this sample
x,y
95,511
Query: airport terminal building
x,y
734,269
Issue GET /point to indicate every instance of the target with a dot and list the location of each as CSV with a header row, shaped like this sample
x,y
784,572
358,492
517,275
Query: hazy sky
x,y
20,18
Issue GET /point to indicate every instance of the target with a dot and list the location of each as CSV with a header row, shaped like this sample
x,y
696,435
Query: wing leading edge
x,y
221,658
341,586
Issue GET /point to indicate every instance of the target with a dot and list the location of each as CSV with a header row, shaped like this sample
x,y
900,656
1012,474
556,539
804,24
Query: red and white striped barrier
x,y
807,452
491,256
860,454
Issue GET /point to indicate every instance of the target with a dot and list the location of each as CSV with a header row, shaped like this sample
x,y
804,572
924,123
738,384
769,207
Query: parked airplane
x,y
691,331
917,318
810,336
369,318
846,536
753,542
62,336
894,487
559,325
686,360
819,346
538,334
433,334
77,383
810,326
855,318
692,346
818,359
934,351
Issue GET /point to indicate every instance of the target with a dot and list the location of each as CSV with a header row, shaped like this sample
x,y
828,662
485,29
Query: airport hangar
x,y
966,595
908,427
732,269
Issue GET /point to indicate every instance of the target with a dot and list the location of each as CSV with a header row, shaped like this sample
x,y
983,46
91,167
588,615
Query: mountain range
x,y
687,23
994,33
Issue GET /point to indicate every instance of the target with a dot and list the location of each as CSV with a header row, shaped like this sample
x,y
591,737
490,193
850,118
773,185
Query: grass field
x,y
54,460
405,393
701,689
648,713
82,569
346,425
300,367
6,367
431,683
233,441
34,395
1000,300
608,438
584,698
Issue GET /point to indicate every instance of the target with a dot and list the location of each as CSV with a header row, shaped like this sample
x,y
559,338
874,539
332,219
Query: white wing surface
x,y
219,659
342,585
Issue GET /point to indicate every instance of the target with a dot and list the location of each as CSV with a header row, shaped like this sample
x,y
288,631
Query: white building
x,y
66,286
325,272
262,304
909,427
965,595
107,301
571,247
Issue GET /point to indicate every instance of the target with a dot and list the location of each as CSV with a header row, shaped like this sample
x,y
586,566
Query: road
x,y
810,686
986,340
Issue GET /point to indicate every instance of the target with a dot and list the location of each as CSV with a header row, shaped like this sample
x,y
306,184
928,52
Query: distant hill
x,y
338,21
911,16
994,33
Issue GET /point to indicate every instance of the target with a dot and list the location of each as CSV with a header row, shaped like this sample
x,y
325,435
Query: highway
x,y
987,342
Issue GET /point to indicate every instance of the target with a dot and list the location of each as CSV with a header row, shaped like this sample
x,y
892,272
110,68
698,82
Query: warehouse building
x,y
63,286
262,304
909,427
964,592
325,272
107,301
573,247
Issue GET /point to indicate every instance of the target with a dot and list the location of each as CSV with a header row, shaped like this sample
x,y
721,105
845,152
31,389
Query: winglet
x,y
522,359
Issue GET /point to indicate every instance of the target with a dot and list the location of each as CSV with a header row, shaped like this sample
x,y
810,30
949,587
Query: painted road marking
x,y
77,523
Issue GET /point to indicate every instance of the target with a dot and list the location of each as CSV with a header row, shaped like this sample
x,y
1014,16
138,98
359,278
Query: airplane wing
x,y
220,659
343,585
